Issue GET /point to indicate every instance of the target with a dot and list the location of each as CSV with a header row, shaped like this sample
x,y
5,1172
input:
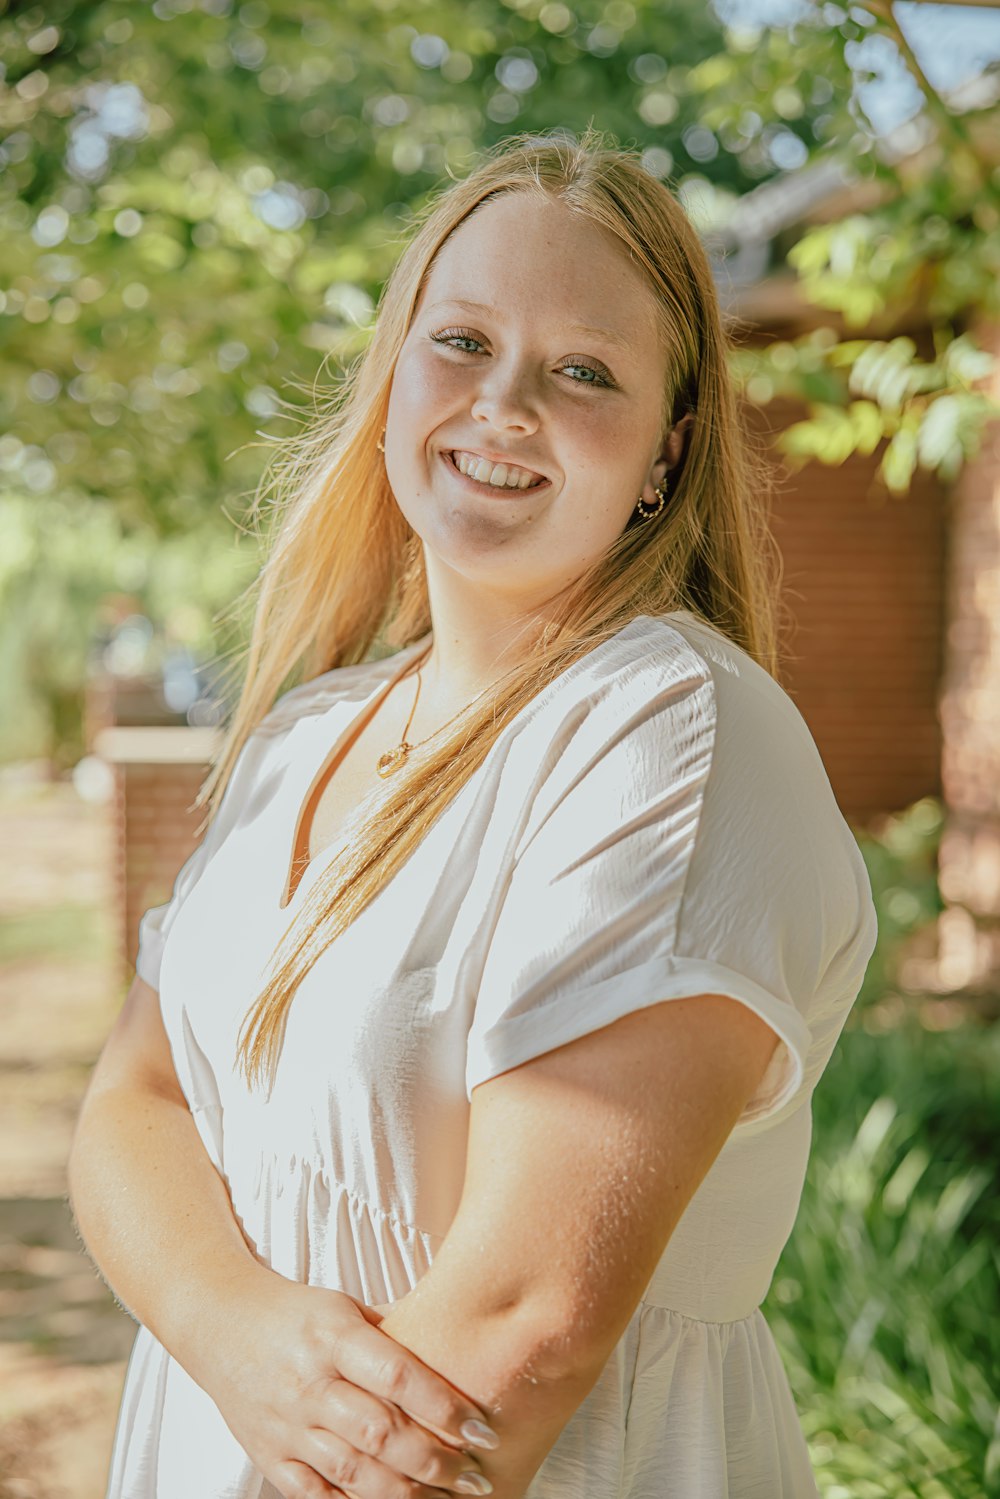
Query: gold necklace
x,y
394,758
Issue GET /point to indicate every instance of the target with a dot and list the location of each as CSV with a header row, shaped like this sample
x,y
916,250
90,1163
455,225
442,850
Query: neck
x,y
477,638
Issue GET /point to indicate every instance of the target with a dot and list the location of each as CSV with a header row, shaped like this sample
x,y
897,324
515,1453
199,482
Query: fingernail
x,y
473,1483
478,1434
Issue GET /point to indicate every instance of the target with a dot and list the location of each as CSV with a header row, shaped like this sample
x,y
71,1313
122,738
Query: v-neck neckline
x,y
306,811
370,706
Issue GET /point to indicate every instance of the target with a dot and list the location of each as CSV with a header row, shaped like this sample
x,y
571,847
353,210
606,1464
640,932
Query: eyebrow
x,y
604,333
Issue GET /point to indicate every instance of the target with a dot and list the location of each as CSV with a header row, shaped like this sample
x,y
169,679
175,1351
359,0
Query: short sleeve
x,y
290,708
592,923
155,923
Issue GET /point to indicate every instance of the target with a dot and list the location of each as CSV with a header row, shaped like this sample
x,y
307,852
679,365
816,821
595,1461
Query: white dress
x,y
656,823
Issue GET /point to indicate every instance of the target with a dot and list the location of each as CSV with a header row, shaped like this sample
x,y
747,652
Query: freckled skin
x,y
528,387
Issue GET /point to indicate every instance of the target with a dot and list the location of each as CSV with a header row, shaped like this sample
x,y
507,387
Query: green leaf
x,y
938,435
964,360
867,424
899,461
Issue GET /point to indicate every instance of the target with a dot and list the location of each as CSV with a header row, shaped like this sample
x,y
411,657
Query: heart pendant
x,y
392,759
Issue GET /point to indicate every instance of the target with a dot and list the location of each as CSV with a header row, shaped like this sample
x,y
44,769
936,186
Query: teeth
x,y
501,475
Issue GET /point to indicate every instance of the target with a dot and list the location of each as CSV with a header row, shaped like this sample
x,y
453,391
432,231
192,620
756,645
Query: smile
x,y
495,478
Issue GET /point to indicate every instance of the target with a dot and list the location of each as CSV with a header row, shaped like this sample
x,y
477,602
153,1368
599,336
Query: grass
x,y
885,1303
55,932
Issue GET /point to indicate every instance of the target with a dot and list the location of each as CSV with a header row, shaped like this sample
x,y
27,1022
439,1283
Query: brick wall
x,y
864,578
158,772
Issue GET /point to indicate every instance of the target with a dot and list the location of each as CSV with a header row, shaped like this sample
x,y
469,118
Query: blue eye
x,y
590,371
455,336
452,338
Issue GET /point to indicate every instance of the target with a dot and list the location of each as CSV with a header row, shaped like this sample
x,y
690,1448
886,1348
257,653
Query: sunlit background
x,y
199,204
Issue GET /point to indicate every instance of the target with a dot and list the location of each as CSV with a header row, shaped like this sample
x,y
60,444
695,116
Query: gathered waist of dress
x,y
693,1291
315,1208
646,1305
307,1184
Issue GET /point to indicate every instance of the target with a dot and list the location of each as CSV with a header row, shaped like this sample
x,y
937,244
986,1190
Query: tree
x,y
926,246
200,203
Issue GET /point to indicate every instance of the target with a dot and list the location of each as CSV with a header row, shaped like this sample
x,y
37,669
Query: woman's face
x,y
534,342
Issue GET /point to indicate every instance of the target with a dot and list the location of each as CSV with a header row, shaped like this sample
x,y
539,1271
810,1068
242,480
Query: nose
x,y
504,399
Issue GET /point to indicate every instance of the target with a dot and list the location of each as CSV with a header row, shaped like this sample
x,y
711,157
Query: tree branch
x,y
966,4
951,124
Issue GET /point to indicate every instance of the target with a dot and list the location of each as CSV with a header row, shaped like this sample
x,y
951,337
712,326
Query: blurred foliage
x,y
925,253
197,200
901,860
199,204
61,556
931,412
884,1303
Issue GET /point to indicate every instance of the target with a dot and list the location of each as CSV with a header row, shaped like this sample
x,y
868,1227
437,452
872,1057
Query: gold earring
x,y
660,490
380,444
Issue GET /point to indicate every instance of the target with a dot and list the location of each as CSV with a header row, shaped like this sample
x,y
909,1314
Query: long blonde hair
x,y
345,577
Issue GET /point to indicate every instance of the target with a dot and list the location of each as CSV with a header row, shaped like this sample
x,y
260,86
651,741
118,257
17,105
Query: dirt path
x,y
63,1340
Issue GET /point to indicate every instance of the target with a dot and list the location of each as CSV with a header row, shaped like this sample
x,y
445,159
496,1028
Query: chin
x,y
480,560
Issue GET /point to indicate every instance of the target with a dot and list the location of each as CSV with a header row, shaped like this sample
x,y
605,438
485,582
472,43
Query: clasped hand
x,y
324,1403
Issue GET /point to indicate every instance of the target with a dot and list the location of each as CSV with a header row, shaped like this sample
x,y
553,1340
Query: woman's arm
x,y
580,1164
302,1376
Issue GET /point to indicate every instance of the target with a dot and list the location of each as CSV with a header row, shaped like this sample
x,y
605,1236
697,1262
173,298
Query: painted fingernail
x,y
473,1483
478,1434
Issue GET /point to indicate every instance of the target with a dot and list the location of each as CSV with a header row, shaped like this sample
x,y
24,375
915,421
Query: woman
x,y
466,1076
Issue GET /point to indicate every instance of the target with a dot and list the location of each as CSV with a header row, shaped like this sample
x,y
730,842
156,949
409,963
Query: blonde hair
x,y
345,576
